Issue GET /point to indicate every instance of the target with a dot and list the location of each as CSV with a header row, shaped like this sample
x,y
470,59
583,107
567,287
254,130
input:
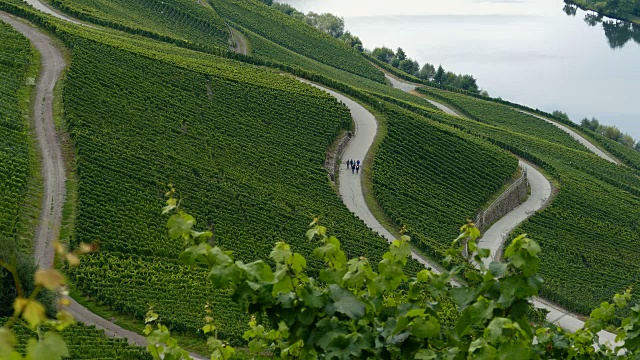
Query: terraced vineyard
x,y
295,36
269,51
86,342
589,233
430,179
246,158
505,117
16,57
192,21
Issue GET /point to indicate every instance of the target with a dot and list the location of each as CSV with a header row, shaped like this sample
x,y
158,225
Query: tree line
x,y
608,131
427,72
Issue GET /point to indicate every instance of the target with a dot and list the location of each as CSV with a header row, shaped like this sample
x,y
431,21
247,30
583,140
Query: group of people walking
x,y
354,166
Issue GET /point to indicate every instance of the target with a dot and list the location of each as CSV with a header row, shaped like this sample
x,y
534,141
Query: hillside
x,y
153,97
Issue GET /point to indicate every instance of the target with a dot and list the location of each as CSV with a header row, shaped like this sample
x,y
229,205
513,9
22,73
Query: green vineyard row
x,y
247,159
15,59
85,343
590,232
296,36
430,179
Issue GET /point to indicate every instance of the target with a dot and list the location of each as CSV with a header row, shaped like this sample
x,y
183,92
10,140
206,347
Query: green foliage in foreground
x,y
295,35
355,310
252,155
82,343
446,175
180,19
581,268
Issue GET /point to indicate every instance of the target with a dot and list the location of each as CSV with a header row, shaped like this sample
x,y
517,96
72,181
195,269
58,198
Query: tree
x,y
409,66
427,72
612,132
383,54
637,146
352,40
468,82
400,55
327,23
439,77
267,2
627,140
561,115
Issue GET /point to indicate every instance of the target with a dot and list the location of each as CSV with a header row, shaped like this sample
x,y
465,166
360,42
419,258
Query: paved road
x,y
594,149
47,10
494,237
364,133
409,87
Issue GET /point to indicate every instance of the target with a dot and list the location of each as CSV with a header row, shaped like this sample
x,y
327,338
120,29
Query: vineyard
x,y
179,19
505,117
15,59
429,178
295,36
589,234
87,343
248,157
269,51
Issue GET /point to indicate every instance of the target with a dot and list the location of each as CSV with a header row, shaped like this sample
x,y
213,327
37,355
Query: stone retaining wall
x,y
509,200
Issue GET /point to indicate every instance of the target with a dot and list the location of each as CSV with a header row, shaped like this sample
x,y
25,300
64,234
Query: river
x,y
534,52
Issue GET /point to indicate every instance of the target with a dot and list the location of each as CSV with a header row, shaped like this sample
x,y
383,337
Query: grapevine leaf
x,y
52,347
180,225
344,302
49,278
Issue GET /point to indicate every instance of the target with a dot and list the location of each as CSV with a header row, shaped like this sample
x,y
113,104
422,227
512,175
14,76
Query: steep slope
x,y
295,36
430,179
191,21
86,343
589,233
247,159
15,59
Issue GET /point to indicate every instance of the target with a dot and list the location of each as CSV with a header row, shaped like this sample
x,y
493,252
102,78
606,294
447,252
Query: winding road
x,y
350,185
541,189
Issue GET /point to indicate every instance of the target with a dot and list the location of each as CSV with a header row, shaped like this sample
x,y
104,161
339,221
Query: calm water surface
x,y
527,51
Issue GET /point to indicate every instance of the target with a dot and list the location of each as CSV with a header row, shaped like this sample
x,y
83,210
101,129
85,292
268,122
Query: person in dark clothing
x,y
358,162
353,168
357,168
348,164
352,163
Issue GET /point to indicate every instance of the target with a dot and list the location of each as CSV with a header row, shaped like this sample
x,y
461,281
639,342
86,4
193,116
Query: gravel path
x,y
494,237
47,10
